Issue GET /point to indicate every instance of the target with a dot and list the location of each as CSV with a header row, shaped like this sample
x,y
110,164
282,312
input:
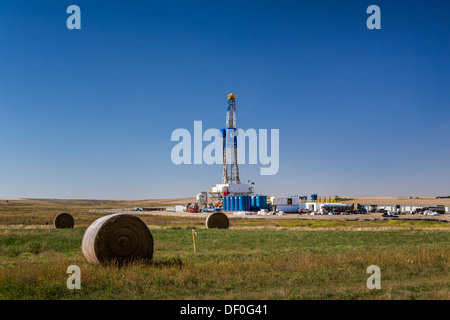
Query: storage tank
x,y
201,198
241,203
236,203
253,202
258,202
225,203
263,202
230,203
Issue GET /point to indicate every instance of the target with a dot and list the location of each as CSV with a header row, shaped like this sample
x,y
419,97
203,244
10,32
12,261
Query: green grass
x,y
357,223
254,259
233,264
16,242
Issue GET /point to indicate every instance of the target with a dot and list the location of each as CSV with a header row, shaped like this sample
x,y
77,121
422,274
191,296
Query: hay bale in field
x,y
64,220
217,220
118,238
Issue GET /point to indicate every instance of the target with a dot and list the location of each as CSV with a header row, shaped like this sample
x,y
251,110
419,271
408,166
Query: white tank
x,y
201,197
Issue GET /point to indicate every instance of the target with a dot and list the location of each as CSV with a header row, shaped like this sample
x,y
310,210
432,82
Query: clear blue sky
x,y
89,113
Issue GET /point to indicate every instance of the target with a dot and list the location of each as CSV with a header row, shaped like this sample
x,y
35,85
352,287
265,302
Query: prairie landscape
x,y
286,258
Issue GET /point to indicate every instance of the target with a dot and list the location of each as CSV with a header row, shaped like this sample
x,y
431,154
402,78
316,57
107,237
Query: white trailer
x,y
232,188
286,204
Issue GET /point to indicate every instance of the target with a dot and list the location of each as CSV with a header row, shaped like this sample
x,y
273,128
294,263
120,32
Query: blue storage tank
x,y
226,203
231,203
258,203
253,202
263,202
247,202
236,203
241,203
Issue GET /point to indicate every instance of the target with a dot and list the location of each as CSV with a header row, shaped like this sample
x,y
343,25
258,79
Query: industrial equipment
x,y
286,204
231,184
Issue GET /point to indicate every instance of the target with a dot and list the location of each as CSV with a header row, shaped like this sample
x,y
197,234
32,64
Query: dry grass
x,y
234,264
423,201
254,259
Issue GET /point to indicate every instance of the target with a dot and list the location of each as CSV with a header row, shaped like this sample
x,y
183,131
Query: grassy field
x,y
254,259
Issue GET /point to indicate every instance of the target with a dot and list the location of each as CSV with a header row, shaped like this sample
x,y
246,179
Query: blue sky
x,y
89,113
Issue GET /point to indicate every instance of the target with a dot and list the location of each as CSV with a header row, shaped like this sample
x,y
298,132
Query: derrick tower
x,y
229,134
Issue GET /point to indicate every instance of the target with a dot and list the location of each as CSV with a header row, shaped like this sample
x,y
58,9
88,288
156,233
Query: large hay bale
x,y
217,220
63,220
117,239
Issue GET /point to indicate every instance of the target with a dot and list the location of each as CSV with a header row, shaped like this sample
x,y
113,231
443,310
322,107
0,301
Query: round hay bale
x,y
63,220
218,220
117,239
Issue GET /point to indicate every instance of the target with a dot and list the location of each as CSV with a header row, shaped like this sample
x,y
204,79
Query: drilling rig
x,y
231,183
230,165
